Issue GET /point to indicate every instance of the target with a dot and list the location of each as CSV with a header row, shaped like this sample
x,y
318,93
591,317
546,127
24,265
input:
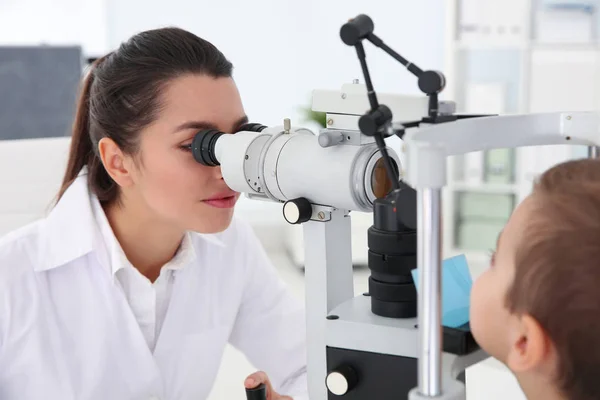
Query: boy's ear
x,y
530,346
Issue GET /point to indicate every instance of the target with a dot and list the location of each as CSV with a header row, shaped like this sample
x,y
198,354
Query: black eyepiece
x,y
356,29
203,147
252,127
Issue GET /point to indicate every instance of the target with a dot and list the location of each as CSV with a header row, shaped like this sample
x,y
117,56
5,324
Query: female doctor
x,y
139,276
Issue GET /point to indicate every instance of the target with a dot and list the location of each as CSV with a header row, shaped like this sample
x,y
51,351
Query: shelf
x,y
565,46
485,45
523,46
487,188
511,72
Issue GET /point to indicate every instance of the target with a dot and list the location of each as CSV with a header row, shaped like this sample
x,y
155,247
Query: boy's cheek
x,y
487,316
476,311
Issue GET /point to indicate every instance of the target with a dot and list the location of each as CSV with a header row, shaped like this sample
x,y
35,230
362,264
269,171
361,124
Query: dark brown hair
x,y
121,95
557,277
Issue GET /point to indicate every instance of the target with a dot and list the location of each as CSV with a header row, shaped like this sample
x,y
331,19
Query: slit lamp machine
x,y
388,343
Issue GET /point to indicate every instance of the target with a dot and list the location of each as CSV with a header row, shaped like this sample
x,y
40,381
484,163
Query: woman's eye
x,y
186,147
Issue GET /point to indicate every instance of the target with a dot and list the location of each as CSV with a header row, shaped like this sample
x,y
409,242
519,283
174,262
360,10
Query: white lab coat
x,y
68,333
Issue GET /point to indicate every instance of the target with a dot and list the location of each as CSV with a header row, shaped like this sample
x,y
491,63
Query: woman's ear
x,y
115,162
530,346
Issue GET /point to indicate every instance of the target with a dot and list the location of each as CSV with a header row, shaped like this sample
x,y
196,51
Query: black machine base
x,y
379,376
387,377
459,341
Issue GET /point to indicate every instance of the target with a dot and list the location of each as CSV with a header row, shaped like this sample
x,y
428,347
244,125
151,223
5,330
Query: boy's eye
x,y
492,254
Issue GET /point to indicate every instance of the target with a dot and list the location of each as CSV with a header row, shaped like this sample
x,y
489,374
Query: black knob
x,y
297,211
432,82
203,147
369,124
257,393
356,29
341,380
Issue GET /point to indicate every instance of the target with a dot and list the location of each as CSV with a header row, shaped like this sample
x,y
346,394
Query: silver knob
x,y
330,138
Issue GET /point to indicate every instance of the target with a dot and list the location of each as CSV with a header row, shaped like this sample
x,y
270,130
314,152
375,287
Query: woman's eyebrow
x,y
207,125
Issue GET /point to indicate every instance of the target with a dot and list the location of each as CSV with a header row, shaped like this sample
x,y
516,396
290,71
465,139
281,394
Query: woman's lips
x,y
224,202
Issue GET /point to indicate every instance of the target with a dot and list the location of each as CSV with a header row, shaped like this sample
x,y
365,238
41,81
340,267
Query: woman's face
x,y
169,182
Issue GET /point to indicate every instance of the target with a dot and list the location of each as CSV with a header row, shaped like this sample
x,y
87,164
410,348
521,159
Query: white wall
x,y
28,190
57,22
283,49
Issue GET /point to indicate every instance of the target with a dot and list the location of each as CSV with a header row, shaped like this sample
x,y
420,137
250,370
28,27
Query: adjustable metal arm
x,y
507,131
430,82
379,118
374,123
427,150
371,37
362,57
377,122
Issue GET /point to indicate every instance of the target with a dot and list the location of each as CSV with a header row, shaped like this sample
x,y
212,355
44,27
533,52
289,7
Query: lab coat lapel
x,y
68,228
89,305
127,331
98,330
191,344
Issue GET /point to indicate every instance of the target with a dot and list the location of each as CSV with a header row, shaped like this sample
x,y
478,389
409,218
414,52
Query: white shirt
x,y
68,331
148,301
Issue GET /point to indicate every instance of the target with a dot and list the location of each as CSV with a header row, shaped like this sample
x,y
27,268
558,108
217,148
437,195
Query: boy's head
x,y
537,308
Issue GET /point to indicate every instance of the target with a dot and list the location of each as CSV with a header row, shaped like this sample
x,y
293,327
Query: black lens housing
x,y
203,147
392,242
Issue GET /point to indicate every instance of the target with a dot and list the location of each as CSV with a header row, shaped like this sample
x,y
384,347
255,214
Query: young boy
x,y
537,308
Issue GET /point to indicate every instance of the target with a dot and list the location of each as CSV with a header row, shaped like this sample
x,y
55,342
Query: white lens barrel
x,y
238,155
295,165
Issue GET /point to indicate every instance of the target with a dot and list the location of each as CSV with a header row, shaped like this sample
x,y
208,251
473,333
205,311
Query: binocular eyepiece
x,y
203,145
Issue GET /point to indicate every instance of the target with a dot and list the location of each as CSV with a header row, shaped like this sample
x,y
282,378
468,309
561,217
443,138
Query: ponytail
x,y
82,152
122,95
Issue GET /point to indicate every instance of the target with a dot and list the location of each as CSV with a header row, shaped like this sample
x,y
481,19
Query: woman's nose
x,y
217,172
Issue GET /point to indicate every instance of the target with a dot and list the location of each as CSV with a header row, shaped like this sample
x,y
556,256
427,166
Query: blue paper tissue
x,y
456,290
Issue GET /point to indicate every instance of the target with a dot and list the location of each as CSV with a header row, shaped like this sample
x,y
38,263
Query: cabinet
x,y
512,57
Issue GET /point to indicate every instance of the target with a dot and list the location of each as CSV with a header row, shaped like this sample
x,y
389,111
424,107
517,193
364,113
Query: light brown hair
x,y
557,277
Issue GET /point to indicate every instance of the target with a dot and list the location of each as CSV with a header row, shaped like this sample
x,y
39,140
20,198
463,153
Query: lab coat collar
x,y
116,256
71,232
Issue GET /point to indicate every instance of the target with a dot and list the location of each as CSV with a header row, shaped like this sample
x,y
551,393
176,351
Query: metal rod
x,y
387,161
430,292
593,152
329,283
409,65
362,57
